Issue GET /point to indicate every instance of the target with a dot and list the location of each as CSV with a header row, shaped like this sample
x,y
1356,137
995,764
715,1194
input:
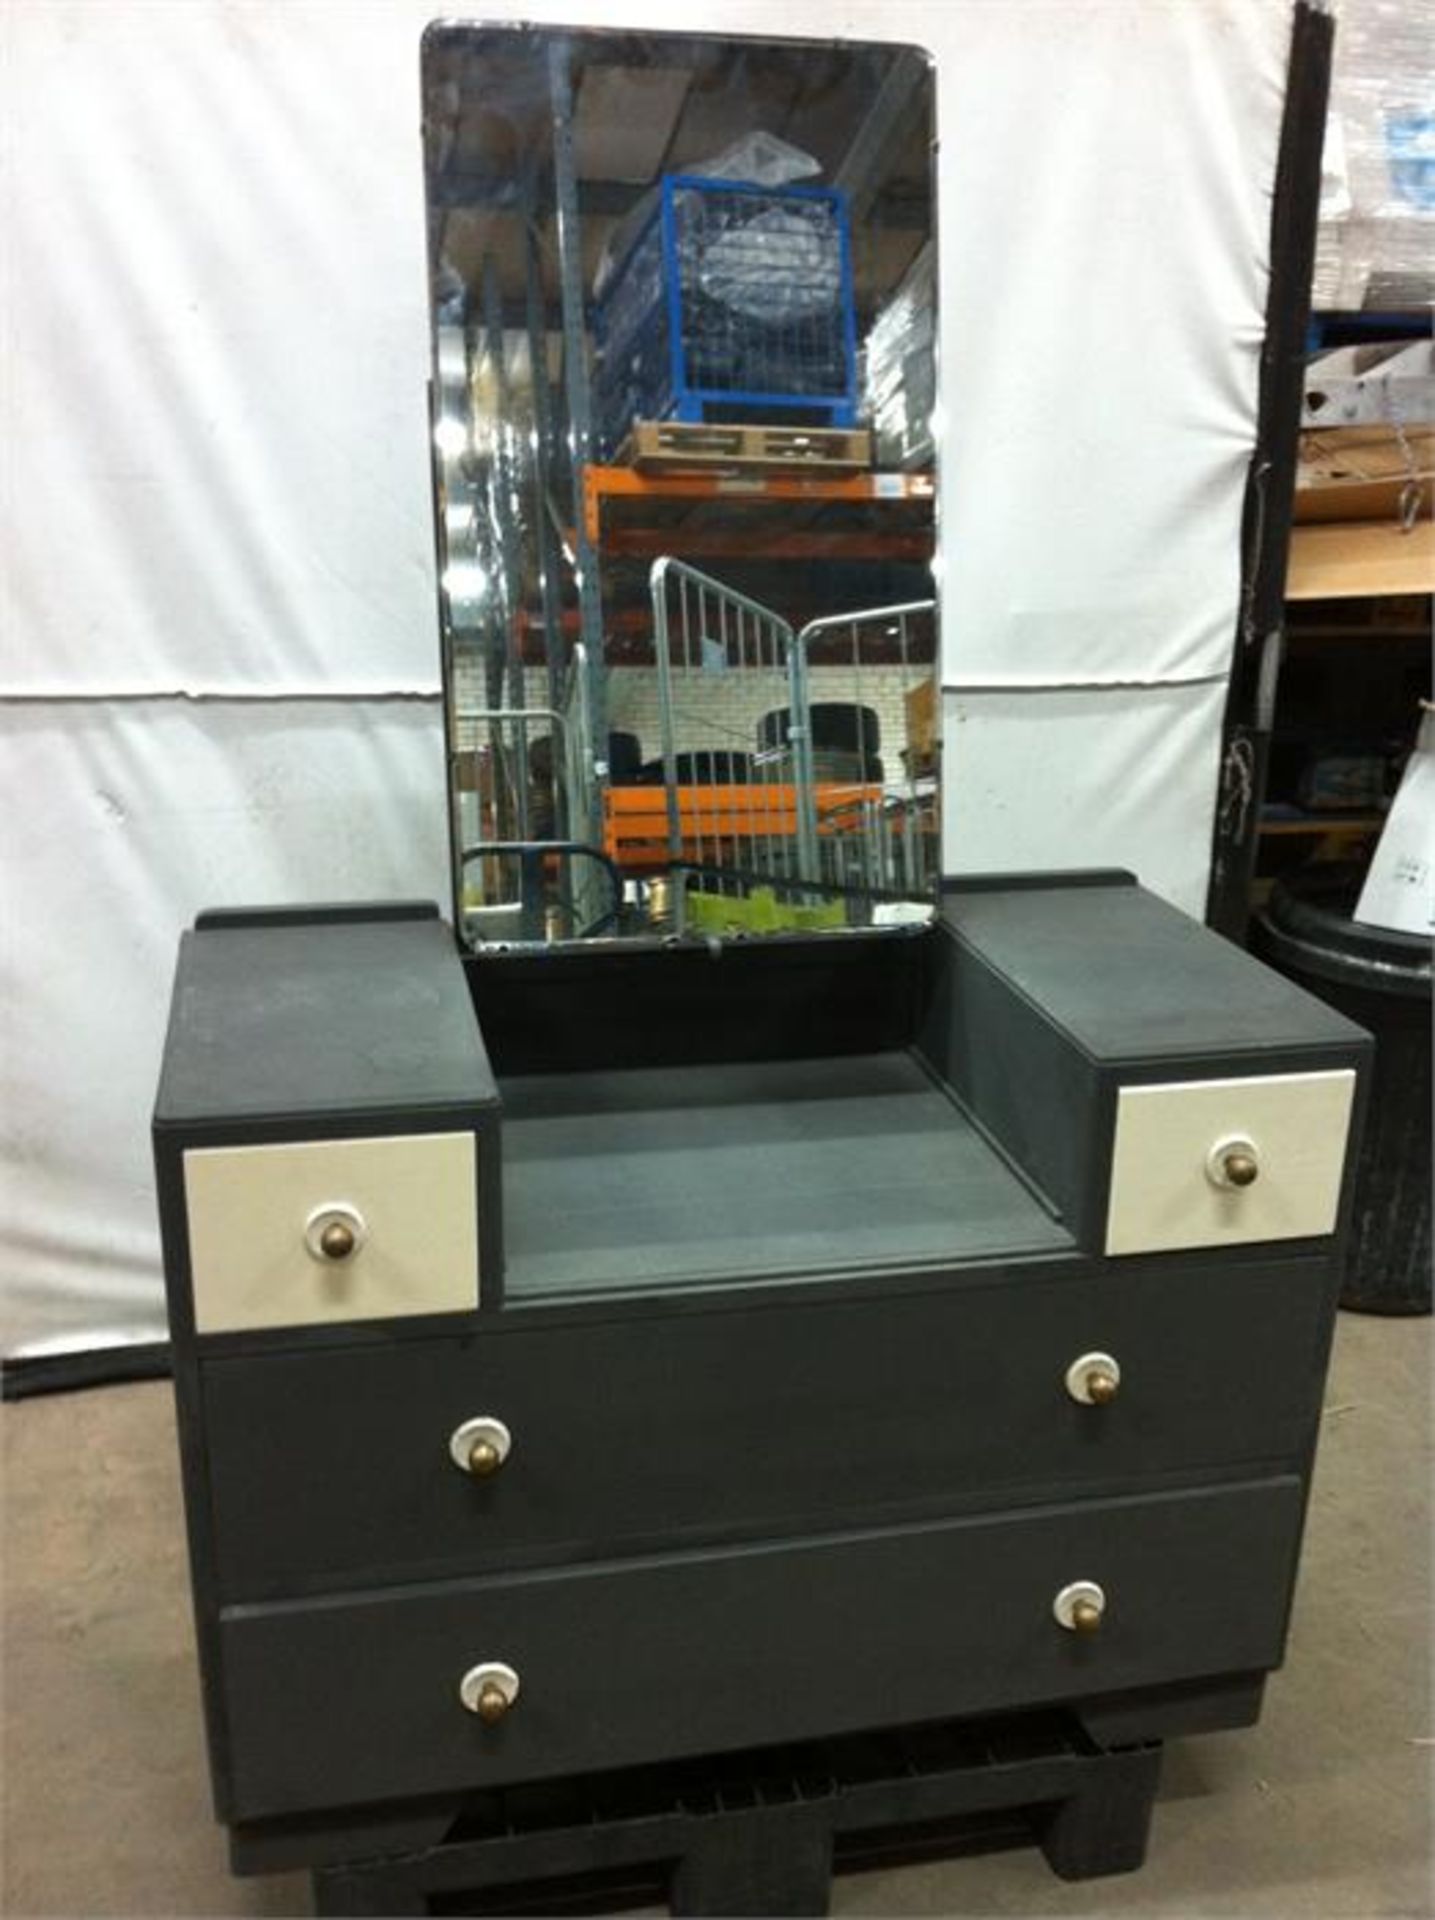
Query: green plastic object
x,y
759,912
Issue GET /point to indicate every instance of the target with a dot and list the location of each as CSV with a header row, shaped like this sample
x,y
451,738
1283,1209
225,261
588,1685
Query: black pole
x,y
1270,481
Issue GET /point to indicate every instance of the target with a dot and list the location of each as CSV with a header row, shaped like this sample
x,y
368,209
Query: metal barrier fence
x,y
736,815
876,827
768,791
511,794
769,808
582,817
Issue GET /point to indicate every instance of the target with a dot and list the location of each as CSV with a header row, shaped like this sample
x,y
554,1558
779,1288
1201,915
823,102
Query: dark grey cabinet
x,y
592,1360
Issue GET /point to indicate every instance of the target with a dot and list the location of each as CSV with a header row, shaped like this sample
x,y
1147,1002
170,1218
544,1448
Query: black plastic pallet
x,y
763,1832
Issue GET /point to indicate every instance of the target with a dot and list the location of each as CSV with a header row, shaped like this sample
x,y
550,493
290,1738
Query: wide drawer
x,y
646,1433
339,1702
298,1233
1202,1163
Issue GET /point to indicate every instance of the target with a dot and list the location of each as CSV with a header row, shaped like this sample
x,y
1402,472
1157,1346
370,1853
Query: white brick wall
x,y
470,693
723,710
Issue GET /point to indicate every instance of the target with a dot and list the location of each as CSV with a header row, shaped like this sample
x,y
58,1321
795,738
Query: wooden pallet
x,y
667,446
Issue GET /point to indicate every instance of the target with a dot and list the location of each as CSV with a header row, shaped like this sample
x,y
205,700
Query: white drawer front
x,y
256,1216
1169,1155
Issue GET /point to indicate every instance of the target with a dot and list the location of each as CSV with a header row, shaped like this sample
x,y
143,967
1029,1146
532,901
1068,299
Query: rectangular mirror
x,y
683,291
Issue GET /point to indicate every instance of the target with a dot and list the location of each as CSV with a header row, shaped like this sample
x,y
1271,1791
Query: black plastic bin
x,y
1382,980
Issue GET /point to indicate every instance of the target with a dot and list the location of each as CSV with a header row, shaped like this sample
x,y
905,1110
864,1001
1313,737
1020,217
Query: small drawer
x,y
299,1233
363,1699
1203,1163
642,1433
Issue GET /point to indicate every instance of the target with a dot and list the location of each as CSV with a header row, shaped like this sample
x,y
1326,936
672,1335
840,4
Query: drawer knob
x,y
1080,1607
334,1233
1094,1379
489,1690
1233,1163
337,1241
480,1446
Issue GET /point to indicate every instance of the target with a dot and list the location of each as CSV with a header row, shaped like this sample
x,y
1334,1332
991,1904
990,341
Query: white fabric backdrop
x,y
142,812
216,512
1105,383
1103,310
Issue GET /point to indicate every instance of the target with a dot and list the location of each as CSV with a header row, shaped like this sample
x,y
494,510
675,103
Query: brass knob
x,y
1094,1379
1102,1387
489,1690
480,1446
337,1240
1233,1163
1080,1607
334,1232
493,1703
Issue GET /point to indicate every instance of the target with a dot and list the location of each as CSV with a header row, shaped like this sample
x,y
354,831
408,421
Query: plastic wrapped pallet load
x,y
736,295
1377,227
900,368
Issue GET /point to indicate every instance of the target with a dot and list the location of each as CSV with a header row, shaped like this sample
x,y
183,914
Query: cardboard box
x,y
924,719
1361,473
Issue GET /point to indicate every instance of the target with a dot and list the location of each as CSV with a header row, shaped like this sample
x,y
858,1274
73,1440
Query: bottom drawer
x,y
334,1702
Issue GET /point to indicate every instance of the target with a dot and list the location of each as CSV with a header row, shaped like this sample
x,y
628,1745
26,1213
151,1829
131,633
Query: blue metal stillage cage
x,y
735,302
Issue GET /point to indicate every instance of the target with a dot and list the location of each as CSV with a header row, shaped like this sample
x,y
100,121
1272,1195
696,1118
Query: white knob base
x,y
1066,1602
1078,1374
488,1673
334,1213
470,1433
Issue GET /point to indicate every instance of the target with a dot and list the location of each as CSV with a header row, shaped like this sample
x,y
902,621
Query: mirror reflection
x,y
684,385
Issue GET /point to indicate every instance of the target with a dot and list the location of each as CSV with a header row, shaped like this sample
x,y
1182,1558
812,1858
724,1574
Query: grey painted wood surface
x,y
710,1173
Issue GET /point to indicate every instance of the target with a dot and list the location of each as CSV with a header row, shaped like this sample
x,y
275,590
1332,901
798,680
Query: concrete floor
x,y
1322,1809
